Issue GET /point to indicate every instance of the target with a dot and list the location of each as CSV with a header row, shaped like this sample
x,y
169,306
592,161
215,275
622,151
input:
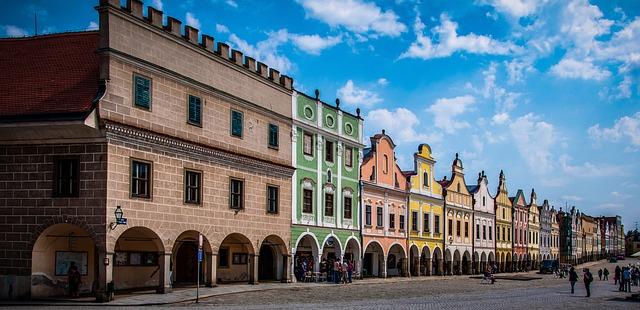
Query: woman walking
x,y
573,278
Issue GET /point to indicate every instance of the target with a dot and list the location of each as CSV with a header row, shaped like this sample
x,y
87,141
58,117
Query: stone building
x,y
504,219
384,215
326,217
555,234
484,223
520,229
589,237
458,210
545,231
148,122
533,247
426,217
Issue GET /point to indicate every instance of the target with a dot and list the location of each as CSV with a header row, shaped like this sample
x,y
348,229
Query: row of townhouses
x,y
151,156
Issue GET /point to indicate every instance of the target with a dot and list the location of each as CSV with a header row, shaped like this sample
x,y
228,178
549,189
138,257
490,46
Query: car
x,y
548,266
620,257
613,259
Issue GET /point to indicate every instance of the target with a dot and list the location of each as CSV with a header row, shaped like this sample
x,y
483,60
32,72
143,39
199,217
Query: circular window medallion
x,y
308,112
330,121
348,129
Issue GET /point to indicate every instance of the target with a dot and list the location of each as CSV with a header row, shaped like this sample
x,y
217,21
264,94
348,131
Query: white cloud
x,y
266,50
624,88
447,42
588,169
500,118
572,198
516,8
445,111
583,23
355,15
231,3
192,20
534,140
570,68
504,100
349,93
314,44
620,195
92,26
158,4
400,124
15,31
517,68
220,28
626,126
622,47
383,81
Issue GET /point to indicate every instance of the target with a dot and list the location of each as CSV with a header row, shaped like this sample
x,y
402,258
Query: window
x,y
367,219
328,155
484,203
497,233
192,186
347,207
307,201
425,179
142,92
348,156
236,194
223,257
272,199
273,136
436,224
466,229
373,174
195,110
379,217
385,167
490,233
236,123
401,222
450,228
67,178
328,204
477,231
414,221
308,144
392,221
425,222
458,187
140,179
240,258
484,232
458,228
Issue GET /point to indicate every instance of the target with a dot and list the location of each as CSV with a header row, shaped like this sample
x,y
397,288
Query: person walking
x,y
616,275
605,273
600,274
587,278
626,280
350,270
336,271
74,279
573,278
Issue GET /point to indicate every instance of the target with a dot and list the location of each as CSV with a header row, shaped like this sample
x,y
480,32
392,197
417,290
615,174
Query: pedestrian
x,y
616,275
573,278
350,270
606,274
336,271
626,280
587,278
74,280
600,274
344,268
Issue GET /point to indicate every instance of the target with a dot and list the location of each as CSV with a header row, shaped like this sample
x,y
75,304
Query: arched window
x,y
328,176
385,168
458,187
425,179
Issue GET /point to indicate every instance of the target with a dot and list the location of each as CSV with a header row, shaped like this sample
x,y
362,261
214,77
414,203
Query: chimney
x,y
274,75
113,3
154,17
207,42
250,63
223,50
236,56
286,81
173,26
263,70
135,8
191,34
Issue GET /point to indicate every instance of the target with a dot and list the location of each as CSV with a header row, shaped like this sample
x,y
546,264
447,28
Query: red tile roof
x,y
48,76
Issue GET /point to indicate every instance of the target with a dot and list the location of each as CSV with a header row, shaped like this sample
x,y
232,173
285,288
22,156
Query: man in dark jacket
x,y
616,275
573,278
588,278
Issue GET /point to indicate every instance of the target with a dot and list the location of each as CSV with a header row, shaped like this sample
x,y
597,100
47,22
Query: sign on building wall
x,y
65,258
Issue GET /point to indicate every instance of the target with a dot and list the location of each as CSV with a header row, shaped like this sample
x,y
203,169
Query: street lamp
x,y
119,219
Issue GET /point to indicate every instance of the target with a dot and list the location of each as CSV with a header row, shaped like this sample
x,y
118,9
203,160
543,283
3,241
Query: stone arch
x,y
139,252
156,226
273,259
374,258
236,256
396,260
315,245
64,219
307,259
414,260
184,257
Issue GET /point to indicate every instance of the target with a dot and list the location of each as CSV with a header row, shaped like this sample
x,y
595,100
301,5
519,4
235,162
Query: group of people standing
x,y
627,276
587,278
336,271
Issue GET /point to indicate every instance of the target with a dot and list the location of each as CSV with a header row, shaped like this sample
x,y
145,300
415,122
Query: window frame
x,y
277,199
329,151
329,206
306,134
379,217
149,196
345,208
134,89
367,218
426,222
414,221
401,221
304,198
187,171
436,224
220,257
242,191
392,221
75,190
189,121
348,159
233,112
277,136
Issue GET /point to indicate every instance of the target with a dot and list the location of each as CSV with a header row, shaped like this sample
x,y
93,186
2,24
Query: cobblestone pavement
x,y
458,292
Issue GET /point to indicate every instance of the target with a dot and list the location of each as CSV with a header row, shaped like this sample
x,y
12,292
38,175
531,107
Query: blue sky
x,y
546,90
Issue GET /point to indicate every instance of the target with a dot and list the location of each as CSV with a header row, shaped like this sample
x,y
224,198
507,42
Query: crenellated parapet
x,y
190,34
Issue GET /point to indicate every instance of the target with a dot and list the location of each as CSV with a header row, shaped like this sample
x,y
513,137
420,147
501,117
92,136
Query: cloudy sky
x,y
547,90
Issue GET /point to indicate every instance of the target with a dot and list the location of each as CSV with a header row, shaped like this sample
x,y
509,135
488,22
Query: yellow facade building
x,y
425,241
503,225
533,244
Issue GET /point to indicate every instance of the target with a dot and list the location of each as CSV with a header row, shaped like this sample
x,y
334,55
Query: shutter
x,y
142,92
195,109
236,123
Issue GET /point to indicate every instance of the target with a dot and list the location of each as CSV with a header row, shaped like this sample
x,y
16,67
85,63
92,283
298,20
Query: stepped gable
x,y
222,50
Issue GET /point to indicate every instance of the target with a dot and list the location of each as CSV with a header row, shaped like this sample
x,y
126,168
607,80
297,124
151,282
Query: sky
x,y
546,90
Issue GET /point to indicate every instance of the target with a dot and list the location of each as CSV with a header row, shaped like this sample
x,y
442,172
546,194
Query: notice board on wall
x,y
64,259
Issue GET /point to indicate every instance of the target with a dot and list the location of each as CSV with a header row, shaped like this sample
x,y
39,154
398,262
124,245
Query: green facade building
x,y
327,152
